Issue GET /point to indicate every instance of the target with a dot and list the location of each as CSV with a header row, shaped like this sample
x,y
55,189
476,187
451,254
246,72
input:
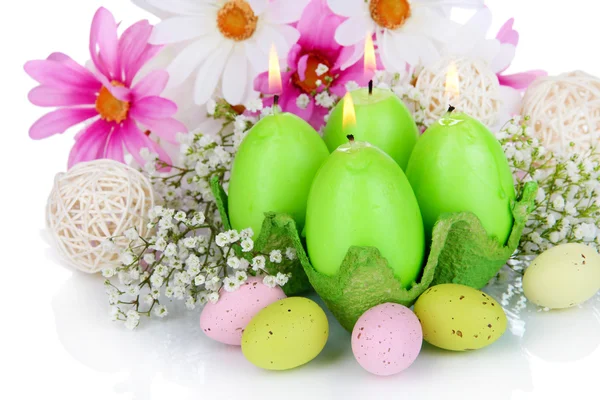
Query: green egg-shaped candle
x,y
273,171
361,197
458,165
382,120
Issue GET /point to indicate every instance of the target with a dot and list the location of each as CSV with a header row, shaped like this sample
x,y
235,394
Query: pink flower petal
x,y
90,143
72,64
317,27
302,65
135,140
104,43
59,121
61,75
114,147
153,107
132,45
261,82
47,96
507,34
120,92
152,84
521,80
166,129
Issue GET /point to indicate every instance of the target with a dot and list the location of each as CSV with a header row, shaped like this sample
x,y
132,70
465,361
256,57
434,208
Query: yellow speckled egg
x,y
286,334
563,276
459,318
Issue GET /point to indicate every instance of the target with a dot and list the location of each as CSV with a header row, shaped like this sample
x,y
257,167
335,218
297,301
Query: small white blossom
x,y
213,297
108,272
199,280
211,107
258,263
169,292
275,256
322,69
132,234
281,279
232,236
148,299
149,258
193,261
290,253
247,233
254,105
247,245
222,240
233,262
302,101
323,99
270,281
352,86
244,265
161,311
190,303
241,276
127,258
109,246
231,285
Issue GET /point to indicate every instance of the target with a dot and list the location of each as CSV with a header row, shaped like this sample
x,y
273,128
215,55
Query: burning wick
x,y
276,101
370,88
451,108
350,138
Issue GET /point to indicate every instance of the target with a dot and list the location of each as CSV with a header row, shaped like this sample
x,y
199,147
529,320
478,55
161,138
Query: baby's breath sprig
x,y
567,207
188,256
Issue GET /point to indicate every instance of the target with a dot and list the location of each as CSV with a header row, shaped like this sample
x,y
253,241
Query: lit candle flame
x,y
370,61
452,83
275,86
349,120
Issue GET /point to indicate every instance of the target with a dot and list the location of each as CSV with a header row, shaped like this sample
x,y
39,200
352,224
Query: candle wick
x,y
276,101
370,87
451,108
350,138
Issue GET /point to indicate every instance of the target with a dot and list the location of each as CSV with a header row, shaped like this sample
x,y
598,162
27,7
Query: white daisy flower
x,y
407,31
228,41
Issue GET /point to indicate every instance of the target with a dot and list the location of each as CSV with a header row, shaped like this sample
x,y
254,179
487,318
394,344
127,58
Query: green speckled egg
x,y
456,317
286,334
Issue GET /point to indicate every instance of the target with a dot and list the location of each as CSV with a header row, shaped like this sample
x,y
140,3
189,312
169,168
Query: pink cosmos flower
x,y
106,97
316,57
522,80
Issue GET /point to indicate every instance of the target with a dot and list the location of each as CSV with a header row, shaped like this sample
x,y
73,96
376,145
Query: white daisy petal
x,y
353,30
348,8
286,11
504,57
392,59
184,7
258,58
449,3
235,75
487,50
267,36
468,35
289,33
258,6
210,72
191,58
407,46
426,22
179,29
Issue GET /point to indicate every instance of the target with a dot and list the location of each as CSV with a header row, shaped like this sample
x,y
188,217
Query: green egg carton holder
x,y
461,252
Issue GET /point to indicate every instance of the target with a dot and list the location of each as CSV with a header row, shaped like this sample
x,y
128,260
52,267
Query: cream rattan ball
x,y
565,110
478,84
92,202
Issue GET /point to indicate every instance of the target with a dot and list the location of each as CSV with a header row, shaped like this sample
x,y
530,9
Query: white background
x,y
55,337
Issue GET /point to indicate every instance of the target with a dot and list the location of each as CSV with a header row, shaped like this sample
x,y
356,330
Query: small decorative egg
x,y
387,339
459,318
286,334
226,320
563,276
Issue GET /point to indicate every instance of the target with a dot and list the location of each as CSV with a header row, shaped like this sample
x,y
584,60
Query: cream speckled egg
x,y
226,320
563,276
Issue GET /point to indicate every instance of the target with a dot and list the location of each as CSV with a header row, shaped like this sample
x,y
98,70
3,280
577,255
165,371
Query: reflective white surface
x,y
57,340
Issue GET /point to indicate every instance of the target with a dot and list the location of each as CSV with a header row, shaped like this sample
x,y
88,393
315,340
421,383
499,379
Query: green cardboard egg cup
x,y
461,252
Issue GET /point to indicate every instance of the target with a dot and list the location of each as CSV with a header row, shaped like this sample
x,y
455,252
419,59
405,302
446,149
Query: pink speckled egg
x,y
387,339
226,320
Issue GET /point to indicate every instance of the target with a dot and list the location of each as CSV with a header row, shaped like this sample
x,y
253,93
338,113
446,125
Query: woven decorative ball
x,y
565,111
93,202
479,90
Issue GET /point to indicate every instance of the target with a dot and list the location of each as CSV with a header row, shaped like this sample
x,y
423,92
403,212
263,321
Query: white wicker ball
x,y
92,202
565,111
479,90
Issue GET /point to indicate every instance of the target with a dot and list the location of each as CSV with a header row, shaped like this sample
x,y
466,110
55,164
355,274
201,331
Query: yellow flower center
x,y
236,20
390,14
109,107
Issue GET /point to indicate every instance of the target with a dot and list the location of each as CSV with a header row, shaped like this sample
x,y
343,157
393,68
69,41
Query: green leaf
x,y
461,252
